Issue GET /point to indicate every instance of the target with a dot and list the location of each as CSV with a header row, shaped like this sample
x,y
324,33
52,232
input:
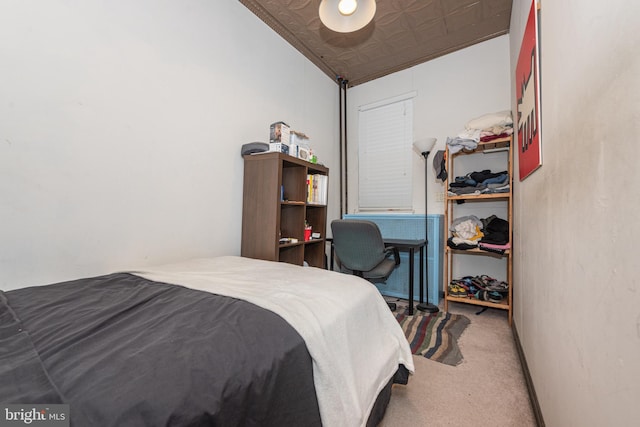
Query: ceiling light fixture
x,y
347,7
346,16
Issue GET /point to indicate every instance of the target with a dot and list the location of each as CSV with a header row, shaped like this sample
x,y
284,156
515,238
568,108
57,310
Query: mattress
x,y
224,341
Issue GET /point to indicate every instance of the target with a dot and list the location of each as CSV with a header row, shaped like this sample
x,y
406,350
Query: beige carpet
x,y
486,389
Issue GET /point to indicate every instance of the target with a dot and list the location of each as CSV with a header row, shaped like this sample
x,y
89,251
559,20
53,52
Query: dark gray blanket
x,y
124,351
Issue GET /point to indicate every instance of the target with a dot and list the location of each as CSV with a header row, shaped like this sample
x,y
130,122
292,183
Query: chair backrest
x,y
358,244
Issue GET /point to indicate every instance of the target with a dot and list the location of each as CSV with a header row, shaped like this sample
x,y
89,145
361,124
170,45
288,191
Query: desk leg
x,y
422,274
331,258
425,306
411,254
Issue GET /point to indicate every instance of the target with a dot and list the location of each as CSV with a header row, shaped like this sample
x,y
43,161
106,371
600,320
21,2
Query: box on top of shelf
x,y
279,132
304,154
293,150
299,145
299,138
280,147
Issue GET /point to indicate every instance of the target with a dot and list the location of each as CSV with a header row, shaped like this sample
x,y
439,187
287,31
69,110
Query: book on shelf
x,y
317,189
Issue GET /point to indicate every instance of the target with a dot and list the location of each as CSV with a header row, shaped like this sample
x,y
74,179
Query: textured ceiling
x,y
403,33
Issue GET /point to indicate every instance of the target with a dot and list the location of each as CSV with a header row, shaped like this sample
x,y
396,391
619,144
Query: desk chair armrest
x,y
392,250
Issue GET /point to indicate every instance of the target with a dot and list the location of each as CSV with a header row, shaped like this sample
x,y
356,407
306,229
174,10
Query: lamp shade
x,y
425,145
335,20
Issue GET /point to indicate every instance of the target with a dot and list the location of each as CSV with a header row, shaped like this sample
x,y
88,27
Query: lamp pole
x,y
429,308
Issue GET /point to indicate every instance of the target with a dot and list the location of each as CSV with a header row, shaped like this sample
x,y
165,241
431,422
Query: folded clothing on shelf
x,y
469,232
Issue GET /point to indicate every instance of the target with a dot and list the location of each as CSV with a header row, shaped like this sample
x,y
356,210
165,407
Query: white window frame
x,y
385,167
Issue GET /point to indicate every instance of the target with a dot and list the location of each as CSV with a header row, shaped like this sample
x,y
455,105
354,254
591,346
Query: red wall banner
x,y
528,99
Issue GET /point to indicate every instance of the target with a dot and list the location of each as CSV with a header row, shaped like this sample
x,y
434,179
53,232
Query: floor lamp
x,y
424,146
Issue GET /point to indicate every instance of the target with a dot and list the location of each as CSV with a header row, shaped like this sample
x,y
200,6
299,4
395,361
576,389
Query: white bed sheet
x,y
354,339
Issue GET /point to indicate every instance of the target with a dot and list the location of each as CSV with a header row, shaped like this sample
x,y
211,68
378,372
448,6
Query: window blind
x,y
384,155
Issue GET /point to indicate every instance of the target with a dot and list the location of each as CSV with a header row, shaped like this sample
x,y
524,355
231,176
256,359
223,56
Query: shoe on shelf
x,y
498,286
491,284
464,288
491,296
457,291
494,296
479,283
486,279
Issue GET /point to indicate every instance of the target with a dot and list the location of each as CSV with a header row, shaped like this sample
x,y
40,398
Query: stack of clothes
x,y
481,182
485,128
489,234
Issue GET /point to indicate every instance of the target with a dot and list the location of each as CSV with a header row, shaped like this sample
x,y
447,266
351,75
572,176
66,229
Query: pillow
x,y
501,118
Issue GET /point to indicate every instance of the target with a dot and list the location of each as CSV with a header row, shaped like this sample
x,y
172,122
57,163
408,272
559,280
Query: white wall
x,y
577,295
451,90
121,125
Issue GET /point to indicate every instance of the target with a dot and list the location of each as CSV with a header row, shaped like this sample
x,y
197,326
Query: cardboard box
x,y
279,132
304,154
277,146
299,138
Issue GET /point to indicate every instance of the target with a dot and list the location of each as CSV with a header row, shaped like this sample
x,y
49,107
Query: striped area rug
x,y
434,336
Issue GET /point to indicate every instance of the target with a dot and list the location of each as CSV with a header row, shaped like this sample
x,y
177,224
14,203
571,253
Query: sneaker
x,y
498,286
494,296
462,291
464,287
491,296
479,283
492,284
456,291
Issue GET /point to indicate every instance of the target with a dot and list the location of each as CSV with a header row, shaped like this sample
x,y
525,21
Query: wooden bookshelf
x,y
275,206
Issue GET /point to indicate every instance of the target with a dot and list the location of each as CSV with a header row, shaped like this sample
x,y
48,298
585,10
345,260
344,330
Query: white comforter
x,y
354,340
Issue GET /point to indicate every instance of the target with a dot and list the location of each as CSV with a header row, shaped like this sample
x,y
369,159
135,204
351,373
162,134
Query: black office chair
x,y
360,250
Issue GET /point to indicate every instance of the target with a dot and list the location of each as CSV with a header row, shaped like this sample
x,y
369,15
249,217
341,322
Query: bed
x,y
226,341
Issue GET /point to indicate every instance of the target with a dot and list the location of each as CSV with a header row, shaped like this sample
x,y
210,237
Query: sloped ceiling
x,y
403,33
